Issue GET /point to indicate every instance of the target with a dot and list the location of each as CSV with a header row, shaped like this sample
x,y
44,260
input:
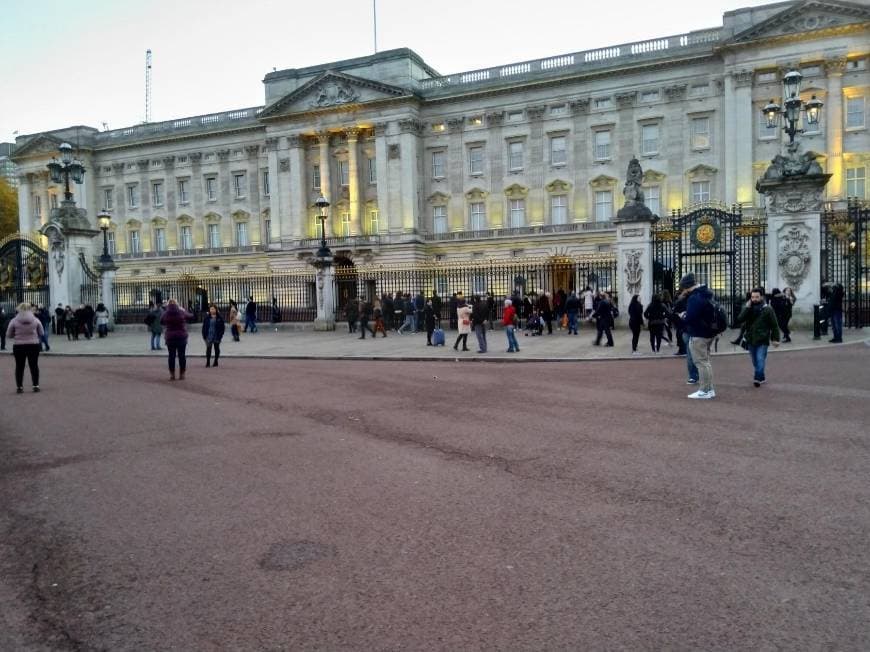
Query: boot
x,y
181,375
171,375
215,362
208,363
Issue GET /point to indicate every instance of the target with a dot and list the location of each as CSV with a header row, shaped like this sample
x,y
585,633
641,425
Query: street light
x,y
791,108
65,169
323,212
105,221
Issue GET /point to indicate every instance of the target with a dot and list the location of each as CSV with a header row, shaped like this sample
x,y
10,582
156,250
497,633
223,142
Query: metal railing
x,y
200,251
225,119
573,227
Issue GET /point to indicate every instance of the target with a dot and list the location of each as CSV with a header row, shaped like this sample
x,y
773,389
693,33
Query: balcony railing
x,y
224,120
199,251
343,241
509,232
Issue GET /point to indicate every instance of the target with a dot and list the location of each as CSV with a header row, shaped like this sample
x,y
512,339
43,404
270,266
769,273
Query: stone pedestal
x,y
794,205
325,320
634,260
107,278
69,233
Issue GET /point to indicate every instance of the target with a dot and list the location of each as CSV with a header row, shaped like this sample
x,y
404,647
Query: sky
x,y
83,62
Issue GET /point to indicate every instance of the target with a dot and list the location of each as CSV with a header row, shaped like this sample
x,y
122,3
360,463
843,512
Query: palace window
x,y
856,182
438,164
159,239
478,216
157,193
603,103
186,237
601,141
764,132
242,234
439,219
374,225
315,177
135,244
52,200
107,199
649,96
559,109
518,213
266,190
343,173
345,224
603,205
855,112
701,133
239,184
515,116
214,236
211,188
475,160
183,196
110,242
653,198
558,152
373,171
559,209
37,206
515,156
132,196
649,139
700,191
267,231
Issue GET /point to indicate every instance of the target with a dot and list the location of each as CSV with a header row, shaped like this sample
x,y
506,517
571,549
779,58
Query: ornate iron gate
x,y
725,250
23,272
846,259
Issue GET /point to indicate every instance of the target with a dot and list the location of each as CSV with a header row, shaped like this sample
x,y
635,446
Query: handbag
x,y
744,343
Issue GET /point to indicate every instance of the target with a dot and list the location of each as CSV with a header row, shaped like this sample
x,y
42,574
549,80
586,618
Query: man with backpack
x,y
703,322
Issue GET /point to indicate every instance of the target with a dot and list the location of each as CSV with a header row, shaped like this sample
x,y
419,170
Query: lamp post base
x,y
321,324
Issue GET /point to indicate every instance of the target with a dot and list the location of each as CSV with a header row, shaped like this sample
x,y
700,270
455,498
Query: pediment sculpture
x,y
334,92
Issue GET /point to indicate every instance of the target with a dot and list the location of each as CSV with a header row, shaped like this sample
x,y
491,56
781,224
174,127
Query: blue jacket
x,y
218,330
699,313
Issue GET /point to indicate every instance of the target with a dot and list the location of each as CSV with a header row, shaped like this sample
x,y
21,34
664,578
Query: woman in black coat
x,y
635,321
656,314
212,332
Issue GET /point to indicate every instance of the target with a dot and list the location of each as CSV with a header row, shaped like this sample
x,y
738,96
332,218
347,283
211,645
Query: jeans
x,y
690,364
250,323
572,322
44,338
480,332
700,350
177,348
837,324
103,329
758,355
155,341
408,323
26,353
511,338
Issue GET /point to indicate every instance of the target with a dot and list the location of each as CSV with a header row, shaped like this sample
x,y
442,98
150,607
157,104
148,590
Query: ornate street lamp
x,y
105,221
792,107
323,213
65,169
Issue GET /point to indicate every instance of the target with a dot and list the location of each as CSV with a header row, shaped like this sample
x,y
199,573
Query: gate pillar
x,y
325,287
69,234
794,204
107,278
634,260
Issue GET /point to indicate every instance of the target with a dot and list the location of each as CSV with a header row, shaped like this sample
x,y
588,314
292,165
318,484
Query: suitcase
x,y
438,337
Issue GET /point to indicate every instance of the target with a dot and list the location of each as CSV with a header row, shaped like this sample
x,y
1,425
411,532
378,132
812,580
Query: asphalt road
x,y
281,505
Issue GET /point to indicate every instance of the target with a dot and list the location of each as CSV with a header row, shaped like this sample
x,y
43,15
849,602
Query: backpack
x,y
614,311
149,319
719,323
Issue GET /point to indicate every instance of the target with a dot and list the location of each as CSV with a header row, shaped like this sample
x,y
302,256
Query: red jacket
x,y
509,314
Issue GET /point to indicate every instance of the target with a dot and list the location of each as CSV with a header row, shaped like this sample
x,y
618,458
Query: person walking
x,y
635,322
509,321
479,315
102,318
545,309
276,311
174,319
42,314
436,305
26,330
407,312
72,324
235,319
4,321
698,319
655,315
212,332
761,329
353,316
155,329
463,323
378,315
364,314
603,315
419,305
429,318
88,317
588,303
781,307
59,320
572,309
668,303
835,310
251,315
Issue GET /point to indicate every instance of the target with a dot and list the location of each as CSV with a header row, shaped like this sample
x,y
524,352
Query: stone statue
x,y
794,256
633,271
56,250
635,208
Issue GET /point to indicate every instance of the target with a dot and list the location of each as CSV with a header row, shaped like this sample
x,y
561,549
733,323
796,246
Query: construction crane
x,y
148,86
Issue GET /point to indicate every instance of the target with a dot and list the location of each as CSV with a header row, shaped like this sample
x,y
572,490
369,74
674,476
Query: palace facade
x,y
525,159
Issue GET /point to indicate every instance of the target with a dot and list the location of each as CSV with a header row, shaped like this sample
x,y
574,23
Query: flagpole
x,y
375,22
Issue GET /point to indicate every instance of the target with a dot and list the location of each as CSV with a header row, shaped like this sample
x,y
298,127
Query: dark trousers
x,y
363,327
604,329
635,335
208,347
2,337
60,325
30,354
655,337
234,329
462,337
177,348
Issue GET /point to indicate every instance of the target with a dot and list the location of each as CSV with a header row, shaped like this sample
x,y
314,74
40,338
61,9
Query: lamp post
x,y
105,220
323,213
65,169
791,109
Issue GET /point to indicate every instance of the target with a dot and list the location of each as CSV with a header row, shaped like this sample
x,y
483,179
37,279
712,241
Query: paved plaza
x,y
386,505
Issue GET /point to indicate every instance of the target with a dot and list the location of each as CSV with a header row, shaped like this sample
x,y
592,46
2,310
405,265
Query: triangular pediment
x,y
332,90
41,144
804,17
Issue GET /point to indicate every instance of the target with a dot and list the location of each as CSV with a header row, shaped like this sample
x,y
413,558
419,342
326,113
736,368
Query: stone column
x,y
25,209
325,186
107,278
833,116
298,221
387,216
794,205
742,139
536,209
495,147
353,179
411,130
729,134
325,278
634,259
275,191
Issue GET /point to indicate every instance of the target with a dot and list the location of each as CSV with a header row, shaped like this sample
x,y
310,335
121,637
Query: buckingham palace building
x,y
523,159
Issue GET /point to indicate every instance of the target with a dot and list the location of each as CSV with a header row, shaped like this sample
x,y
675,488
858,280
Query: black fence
x,y
23,273
90,292
846,259
501,279
293,294
722,248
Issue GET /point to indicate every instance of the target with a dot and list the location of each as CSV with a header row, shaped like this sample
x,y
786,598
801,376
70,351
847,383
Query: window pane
x,y
160,239
186,237
373,171
437,164
559,209
315,177
603,205
653,199
345,224
343,177
700,191
475,160
374,225
439,218
210,184
518,213
515,156
602,145
266,189
478,216
157,194
700,133
856,185
854,112
239,185
557,150
650,139
242,234
214,236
